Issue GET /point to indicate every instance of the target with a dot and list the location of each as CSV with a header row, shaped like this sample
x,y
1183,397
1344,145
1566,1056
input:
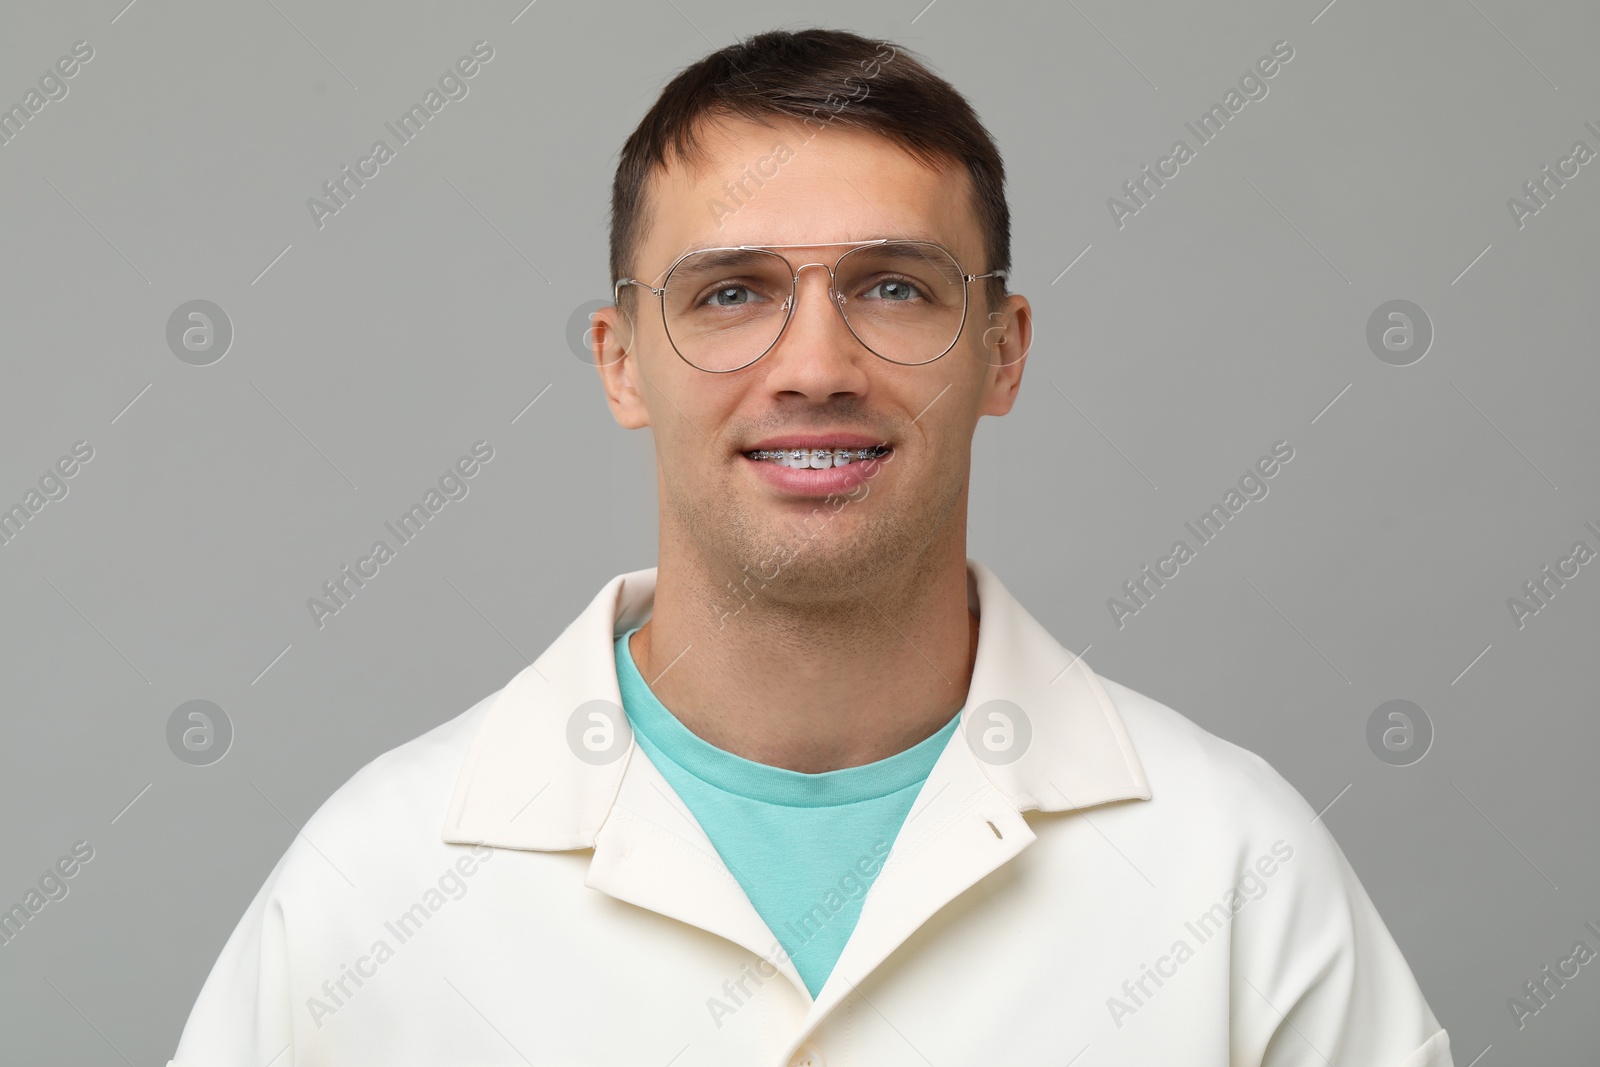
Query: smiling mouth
x,y
818,458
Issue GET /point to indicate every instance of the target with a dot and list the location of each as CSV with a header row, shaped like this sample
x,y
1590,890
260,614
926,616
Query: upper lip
x,y
817,440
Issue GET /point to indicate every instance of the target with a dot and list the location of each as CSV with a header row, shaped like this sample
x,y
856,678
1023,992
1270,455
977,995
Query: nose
x,y
817,354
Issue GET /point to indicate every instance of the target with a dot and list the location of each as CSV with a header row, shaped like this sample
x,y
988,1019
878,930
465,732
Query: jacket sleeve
x,y
1317,978
243,1016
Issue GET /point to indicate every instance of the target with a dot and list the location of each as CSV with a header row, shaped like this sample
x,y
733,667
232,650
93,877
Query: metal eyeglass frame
x,y
794,293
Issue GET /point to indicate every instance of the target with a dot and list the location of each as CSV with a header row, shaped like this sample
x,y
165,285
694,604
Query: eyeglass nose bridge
x,y
834,296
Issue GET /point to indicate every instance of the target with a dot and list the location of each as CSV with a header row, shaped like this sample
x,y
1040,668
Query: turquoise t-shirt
x,y
805,847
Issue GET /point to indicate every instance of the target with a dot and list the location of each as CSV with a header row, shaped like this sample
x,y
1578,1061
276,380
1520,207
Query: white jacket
x,y
1087,877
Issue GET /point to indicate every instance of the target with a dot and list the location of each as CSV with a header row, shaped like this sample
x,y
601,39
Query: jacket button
x,y
807,1056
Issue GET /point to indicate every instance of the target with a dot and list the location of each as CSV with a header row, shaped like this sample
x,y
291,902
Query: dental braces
x,y
875,452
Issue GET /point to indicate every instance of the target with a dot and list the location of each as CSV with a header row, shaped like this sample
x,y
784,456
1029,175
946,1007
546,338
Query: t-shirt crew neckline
x,y
760,781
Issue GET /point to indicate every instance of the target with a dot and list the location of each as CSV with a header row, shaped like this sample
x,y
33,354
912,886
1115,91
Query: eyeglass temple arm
x,y
616,288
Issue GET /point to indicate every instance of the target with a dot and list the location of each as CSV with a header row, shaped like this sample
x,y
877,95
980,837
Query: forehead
x,y
793,183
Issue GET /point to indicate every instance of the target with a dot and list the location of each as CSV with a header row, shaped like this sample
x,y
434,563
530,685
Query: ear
x,y
1005,349
610,337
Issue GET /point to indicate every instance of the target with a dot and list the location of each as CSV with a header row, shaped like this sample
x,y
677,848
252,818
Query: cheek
x,y
690,412
669,394
948,447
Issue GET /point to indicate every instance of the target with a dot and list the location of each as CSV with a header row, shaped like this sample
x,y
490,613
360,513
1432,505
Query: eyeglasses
x,y
725,308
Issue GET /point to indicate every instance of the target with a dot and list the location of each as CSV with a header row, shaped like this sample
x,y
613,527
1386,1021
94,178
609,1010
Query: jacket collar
x,y
522,785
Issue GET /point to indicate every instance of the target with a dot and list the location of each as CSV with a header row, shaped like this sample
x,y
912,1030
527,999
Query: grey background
x,y
368,355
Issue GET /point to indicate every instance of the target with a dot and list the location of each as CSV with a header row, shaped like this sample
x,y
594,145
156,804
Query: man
x,y
817,788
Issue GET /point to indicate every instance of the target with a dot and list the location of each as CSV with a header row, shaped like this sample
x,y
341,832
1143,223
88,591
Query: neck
x,y
806,679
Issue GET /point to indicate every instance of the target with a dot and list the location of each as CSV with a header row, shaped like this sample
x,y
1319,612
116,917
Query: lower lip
x,y
808,481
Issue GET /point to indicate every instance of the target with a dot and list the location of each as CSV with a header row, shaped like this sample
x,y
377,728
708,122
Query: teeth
x,y
818,458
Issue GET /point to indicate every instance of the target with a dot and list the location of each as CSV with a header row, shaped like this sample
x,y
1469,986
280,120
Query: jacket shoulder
x,y
389,813
1309,954
1194,766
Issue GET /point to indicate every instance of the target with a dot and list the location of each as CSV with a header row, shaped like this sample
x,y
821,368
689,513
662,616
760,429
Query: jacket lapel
x,y
651,852
553,766
1038,732
960,829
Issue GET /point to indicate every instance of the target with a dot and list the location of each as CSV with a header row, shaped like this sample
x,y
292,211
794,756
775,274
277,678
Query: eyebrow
x,y
734,255
912,235
731,258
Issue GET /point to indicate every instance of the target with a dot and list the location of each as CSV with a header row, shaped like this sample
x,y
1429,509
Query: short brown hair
x,y
818,76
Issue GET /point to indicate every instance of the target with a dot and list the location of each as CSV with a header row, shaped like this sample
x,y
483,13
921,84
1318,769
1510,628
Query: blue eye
x,y
895,290
732,295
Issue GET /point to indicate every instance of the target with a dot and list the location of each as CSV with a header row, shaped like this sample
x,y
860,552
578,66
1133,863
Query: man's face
x,y
834,185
